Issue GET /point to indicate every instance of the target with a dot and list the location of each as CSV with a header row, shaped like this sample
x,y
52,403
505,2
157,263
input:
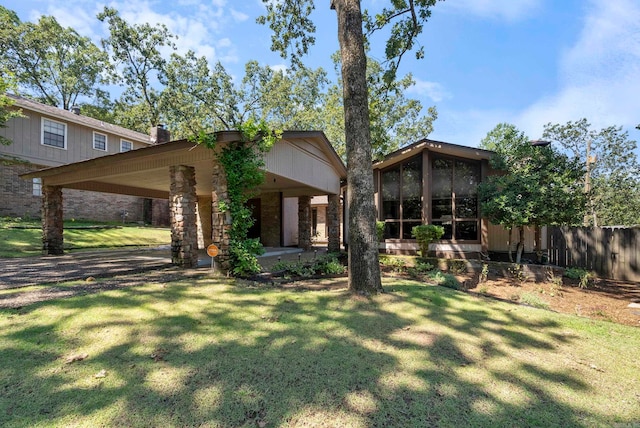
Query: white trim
x,y
122,140
36,189
42,120
106,141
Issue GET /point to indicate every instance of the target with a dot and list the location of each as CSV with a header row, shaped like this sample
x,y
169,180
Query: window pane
x,y
412,209
391,194
467,230
392,230
467,207
447,228
125,146
466,178
441,206
406,228
412,189
53,134
99,141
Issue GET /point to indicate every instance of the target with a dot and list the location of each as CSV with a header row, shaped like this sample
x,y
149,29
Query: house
x,y
301,165
49,136
433,182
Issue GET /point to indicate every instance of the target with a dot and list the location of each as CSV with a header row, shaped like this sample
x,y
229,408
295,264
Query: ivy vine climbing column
x,y
221,219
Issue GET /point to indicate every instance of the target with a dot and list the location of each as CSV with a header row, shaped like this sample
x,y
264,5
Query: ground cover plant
x,y
192,350
19,238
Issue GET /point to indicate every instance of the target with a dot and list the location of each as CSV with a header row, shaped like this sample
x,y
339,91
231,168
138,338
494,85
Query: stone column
x,y
304,222
333,223
221,221
182,212
52,226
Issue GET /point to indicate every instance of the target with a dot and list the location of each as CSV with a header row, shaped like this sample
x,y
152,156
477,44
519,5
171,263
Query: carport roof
x,y
300,163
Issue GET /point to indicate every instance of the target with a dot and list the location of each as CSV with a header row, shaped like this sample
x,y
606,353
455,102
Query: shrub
x,y
484,274
396,264
419,269
324,265
426,234
444,279
380,230
586,278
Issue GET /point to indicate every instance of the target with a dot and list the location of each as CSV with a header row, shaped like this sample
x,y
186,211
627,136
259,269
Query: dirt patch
x,y
604,299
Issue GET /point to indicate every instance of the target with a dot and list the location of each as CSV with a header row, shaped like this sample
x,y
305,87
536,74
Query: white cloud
x,y
238,16
433,90
598,75
279,67
509,10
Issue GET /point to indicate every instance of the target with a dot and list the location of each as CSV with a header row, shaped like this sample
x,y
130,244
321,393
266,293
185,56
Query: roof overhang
x,y
300,163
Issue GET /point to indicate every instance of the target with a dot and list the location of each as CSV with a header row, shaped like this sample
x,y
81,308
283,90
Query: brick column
x,y
182,212
304,222
333,223
221,221
52,226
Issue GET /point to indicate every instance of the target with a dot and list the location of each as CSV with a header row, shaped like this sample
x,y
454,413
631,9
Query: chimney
x,y
160,135
75,109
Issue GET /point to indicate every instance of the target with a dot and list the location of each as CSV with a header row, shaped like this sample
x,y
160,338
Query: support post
x,y
182,211
52,221
304,222
221,221
333,223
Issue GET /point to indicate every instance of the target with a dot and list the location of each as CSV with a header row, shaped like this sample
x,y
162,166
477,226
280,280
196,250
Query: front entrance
x,y
256,214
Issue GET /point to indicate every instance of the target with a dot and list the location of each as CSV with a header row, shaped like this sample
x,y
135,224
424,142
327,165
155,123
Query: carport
x,y
302,164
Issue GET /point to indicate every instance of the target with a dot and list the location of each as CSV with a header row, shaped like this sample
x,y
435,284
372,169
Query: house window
x,y
54,134
37,187
454,198
125,145
402,198
99,141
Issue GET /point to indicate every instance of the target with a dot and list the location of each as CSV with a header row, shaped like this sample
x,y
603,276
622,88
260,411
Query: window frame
x,y
401,220
36,184
42,131
106,141
454,219
122,140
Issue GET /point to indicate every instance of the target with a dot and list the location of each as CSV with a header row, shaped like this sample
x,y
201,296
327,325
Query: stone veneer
x,y
182,210
304,222
221,221
333,223
52,222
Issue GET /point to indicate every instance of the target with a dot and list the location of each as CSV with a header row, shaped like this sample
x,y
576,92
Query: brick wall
x,y
270,222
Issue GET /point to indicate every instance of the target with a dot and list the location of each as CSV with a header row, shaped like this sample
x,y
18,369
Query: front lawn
x,y
24,238
216,352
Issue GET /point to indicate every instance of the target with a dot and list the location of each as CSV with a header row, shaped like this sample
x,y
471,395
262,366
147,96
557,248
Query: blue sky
x,y
527,62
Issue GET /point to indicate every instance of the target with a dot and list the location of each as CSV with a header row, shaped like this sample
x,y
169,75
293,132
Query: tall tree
x,y
293,30
53,64
7,84
612,171
540,186
394,119
135,49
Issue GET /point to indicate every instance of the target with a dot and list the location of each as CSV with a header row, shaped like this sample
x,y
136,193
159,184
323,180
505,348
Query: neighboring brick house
x,y
48,136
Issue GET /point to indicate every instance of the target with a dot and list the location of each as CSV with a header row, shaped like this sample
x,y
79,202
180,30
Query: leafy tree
x,y
539,185
135,50
293,34
612,171
395,120
7,84
53,64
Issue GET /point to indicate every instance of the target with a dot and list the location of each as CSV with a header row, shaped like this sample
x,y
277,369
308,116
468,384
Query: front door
x,y
254,205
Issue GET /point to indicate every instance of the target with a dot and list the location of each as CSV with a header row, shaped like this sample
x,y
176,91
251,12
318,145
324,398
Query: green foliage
x,y
612,175
425,234
7,84
380,230
53,64
484,273
444,279
420,268
456,266
394,263
586,278
243,162
516,274
324,265
532,299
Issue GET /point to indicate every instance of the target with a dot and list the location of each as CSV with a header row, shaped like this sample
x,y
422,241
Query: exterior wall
x,y
499,236
271,219
290,221
16,195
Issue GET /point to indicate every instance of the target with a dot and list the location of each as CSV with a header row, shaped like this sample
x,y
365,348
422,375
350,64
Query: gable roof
x,y
433,146
67,116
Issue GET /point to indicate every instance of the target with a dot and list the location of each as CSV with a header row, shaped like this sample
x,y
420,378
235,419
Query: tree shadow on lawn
x,y
206,353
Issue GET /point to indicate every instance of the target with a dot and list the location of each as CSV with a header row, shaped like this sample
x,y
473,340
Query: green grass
x,y
28,242
212,352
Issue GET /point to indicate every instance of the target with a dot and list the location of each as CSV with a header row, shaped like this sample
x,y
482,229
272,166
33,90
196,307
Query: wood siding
x,y
26,136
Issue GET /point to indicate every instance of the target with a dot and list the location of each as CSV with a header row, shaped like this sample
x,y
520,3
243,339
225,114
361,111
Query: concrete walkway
x,y
26,271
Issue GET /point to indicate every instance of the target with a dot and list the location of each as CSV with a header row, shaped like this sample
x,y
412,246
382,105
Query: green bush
x,y
585,277
380,230
426,234
396,264
444,279
420,269
324,265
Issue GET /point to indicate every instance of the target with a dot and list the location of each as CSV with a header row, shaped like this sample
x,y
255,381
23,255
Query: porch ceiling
x,y
302,163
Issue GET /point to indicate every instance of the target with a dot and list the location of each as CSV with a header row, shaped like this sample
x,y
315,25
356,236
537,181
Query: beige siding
x,y
499,236
26,135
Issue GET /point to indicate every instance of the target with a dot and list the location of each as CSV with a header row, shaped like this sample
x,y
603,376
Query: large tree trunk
x,y
509,244
364,269
520,248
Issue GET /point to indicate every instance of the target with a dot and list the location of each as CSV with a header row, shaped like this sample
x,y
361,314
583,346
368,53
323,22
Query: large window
x,y
402,198
99,141
54,133
454,198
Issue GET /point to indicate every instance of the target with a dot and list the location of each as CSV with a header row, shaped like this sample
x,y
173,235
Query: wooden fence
x,y
611,252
